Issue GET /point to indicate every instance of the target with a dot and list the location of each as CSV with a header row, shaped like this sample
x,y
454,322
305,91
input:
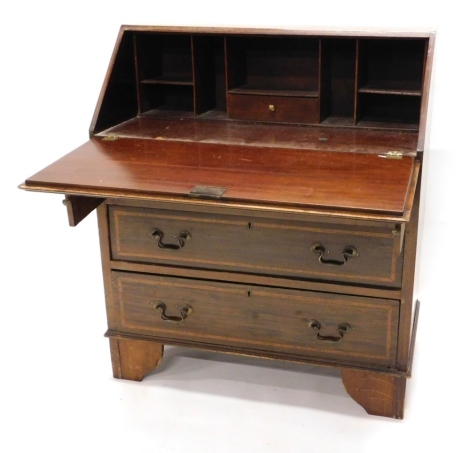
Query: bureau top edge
x,y
421,32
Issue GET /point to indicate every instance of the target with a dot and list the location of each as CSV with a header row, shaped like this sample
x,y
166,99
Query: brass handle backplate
x,y
185,311
348,252
184,236
342,328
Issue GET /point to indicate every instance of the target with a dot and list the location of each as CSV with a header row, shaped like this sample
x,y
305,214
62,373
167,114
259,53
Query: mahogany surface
x,y
269,247
79,207
377,393
133,359
256,108
346,181
267,319
175,126
258,193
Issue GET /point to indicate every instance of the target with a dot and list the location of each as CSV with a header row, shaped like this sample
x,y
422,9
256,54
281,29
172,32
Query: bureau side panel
x,y
409,266
103,227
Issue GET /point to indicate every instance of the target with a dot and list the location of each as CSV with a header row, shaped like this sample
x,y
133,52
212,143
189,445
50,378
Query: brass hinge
x,y
399,231
207,192
392,155
110,138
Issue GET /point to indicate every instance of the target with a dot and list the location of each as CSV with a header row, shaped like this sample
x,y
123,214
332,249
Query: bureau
x,y
258,193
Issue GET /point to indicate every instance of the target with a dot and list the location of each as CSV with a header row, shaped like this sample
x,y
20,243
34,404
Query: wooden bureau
x,y
258,193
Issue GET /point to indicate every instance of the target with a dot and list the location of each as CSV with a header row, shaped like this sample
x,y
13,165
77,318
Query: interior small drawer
x,y
316,251
308,324
271,108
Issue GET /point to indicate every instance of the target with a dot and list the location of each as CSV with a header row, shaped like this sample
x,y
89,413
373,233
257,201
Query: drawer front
x,y
277,109
324,252
298,323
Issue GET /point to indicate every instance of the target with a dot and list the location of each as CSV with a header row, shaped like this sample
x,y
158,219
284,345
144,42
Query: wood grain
x,y
163,125
285,109
299,31
79,207
263,175
133,359
245,244
409,264
377,393
253,317
241,273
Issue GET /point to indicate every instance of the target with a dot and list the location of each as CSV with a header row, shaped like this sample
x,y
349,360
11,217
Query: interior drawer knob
x,y
342,328
348,252
185,311
184,236
272,108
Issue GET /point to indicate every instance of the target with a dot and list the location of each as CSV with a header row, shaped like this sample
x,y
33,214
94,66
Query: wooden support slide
x,y
79,207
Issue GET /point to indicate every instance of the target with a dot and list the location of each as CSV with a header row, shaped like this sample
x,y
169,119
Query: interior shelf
x,y
270,65
391,123
339,121
164,112
168,80
342,82
398,87
253,90
166,97
388,110
214,114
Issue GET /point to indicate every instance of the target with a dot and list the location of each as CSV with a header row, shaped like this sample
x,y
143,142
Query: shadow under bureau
x,y
258,193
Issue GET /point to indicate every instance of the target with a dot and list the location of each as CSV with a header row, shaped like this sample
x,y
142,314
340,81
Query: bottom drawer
x,y
297,323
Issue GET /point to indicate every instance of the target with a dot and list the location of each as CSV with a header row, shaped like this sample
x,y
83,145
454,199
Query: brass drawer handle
x,y
348,252
342,328
182,238
185,311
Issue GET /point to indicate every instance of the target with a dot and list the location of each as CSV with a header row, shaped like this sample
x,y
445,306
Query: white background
x,y
56,389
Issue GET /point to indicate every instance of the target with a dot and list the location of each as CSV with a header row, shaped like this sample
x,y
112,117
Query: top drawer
x,y
320,251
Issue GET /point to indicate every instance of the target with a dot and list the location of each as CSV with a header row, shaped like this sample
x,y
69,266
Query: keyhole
x,y
248,293
250,225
